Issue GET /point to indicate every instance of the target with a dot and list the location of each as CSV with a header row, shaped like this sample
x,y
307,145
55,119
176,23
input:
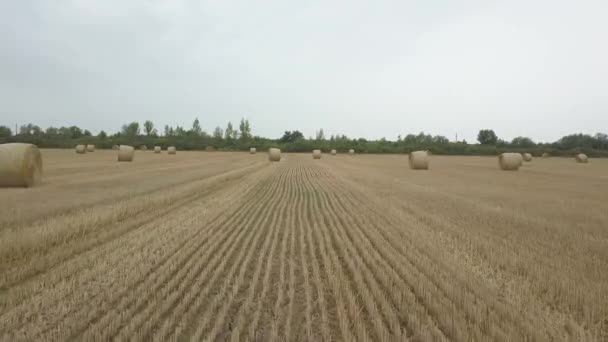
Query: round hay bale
x,y
419,160
253,150
274,154
81,149
157,149
115,147
527,157
545,155
90,148
171,150
582,158
351,151
316,154
333,152
510,161
143,147
126,153
20,165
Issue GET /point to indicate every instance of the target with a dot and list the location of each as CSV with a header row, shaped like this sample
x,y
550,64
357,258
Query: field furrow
x,y
232,247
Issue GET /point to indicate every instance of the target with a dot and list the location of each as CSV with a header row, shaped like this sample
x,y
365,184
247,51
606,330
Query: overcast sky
x,y
361,68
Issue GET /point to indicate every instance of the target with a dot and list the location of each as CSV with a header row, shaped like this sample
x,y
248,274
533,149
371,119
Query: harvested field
x,y
229,246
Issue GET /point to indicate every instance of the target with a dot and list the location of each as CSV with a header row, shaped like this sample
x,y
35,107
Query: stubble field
x,y
228,246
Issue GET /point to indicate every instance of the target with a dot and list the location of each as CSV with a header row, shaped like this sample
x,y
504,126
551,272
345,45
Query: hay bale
x,y
115,147
545,155
527,157
351,151
333,152
316,154
510,161
143,147
126,153
157,149
81,149
419,160
253,150
171,150
20,165
90,148
582,158
274,154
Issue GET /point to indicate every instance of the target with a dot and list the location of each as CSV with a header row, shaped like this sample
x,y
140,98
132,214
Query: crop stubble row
x,y
296,250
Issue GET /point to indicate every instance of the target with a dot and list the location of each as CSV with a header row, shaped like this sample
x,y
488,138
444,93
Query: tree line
x,y
240,138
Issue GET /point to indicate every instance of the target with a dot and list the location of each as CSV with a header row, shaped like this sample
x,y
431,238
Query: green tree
x,y
149,129
30,129
167,131
487,137
5,132
291,136
229,131
245,129
196,128
52,131
522,142
320,135
102,135
218,133
87,133
131,130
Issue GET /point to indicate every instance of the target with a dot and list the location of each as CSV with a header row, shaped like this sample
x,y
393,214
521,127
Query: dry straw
x,y
351,151
333,152
90,148
582,158
143,147
20,165
527,157
419,160
171,150
157,149
81,149
316,154
510,161
126,153
274,154
253,150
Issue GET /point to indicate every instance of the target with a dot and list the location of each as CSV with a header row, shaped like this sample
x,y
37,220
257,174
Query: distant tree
x,y
87,133
291,136
245,129
5,132
167,131
30,129
522,142
131,130
218,133
229,131
149,129
235,134
102,135
52,131
196,128
487,137
179,131
320,135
